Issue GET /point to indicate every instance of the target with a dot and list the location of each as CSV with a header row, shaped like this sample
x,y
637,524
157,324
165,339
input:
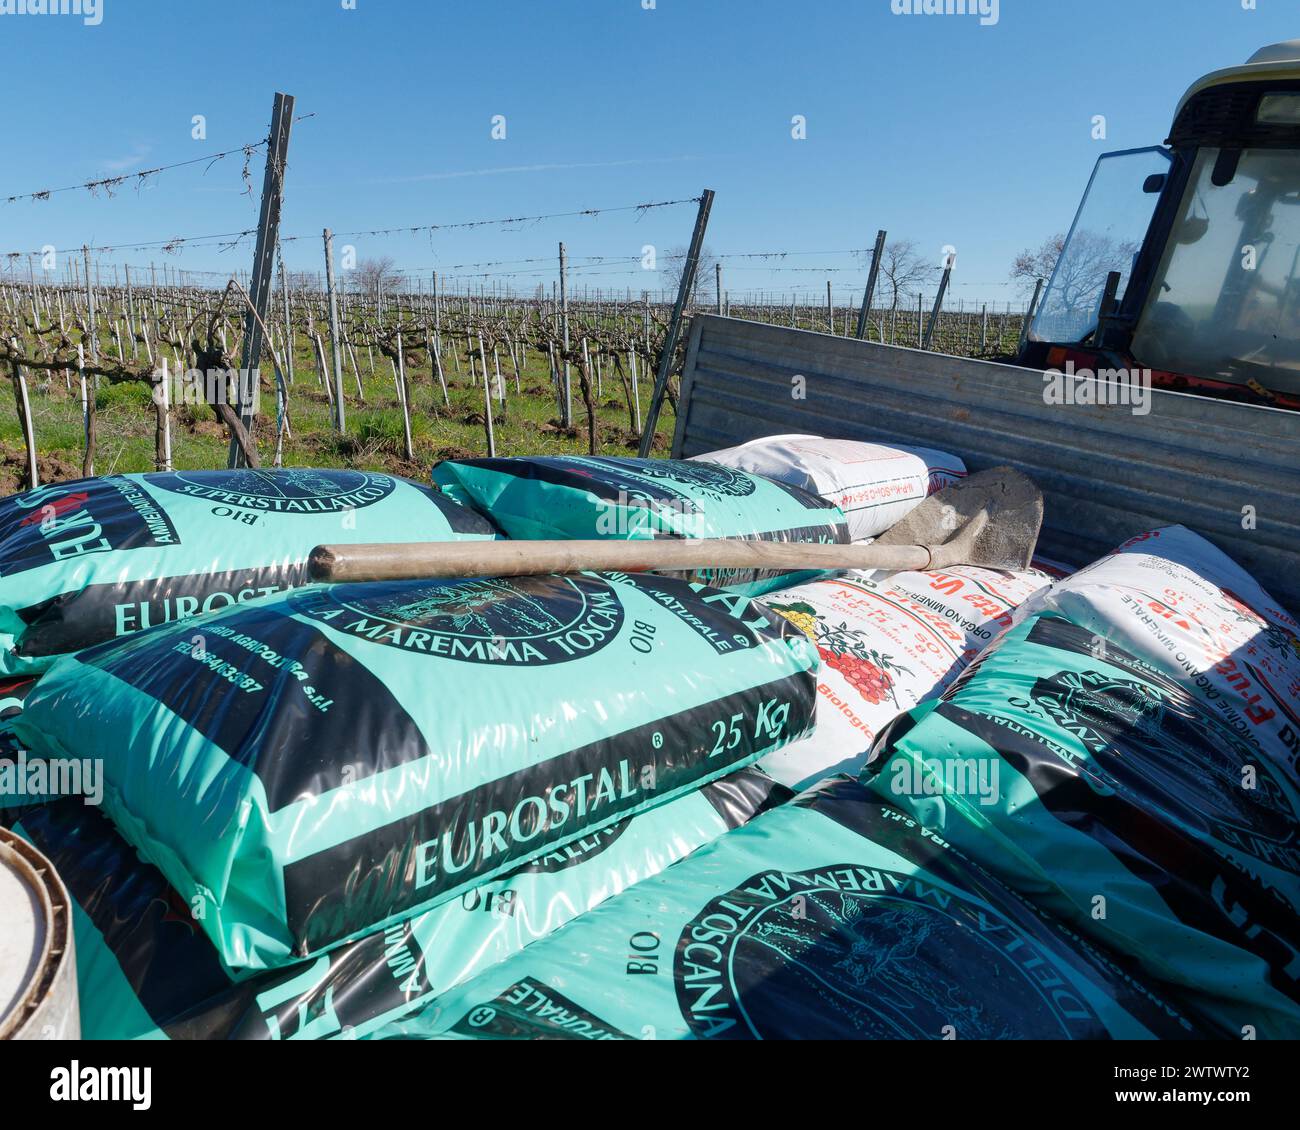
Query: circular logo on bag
x,y
286,491
522,622
854,952
702,476
1159,745
660,480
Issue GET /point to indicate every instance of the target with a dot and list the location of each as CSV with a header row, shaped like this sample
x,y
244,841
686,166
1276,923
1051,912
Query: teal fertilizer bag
x,y
146,971
1094,784
23,783
318,763
597,497
832,917
90,560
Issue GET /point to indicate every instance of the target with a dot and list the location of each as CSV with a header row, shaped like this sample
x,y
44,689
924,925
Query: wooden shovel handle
x,y
415,560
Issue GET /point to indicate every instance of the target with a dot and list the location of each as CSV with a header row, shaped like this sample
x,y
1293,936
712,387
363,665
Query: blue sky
x,y
935,127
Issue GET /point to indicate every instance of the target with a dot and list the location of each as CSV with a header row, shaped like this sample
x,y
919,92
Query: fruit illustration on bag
x,y
802,616
848,651
1275,636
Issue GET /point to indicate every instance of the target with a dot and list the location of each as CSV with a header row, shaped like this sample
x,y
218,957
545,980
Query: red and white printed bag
x,y
887,641
1174,599
874,485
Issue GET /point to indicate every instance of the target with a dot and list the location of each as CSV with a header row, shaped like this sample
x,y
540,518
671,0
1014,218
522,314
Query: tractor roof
x,y
1275,62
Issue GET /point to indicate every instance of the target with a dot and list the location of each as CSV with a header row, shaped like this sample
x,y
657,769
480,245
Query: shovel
x,y
990,519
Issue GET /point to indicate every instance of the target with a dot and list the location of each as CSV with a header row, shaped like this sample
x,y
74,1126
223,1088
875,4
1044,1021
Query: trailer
x,y
1229,470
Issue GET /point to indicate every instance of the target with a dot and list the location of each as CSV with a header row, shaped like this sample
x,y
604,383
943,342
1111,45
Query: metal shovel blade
x,y
991,518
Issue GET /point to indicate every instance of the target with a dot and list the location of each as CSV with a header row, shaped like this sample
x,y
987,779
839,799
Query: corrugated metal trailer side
x,y
1229,471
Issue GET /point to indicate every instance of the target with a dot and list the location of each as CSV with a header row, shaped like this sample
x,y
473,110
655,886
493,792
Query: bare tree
x,y
674,263
902,270
1078,272
1034,264
371,272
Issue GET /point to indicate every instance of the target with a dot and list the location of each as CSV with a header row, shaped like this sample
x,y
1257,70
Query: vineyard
x,y
116,369
414,365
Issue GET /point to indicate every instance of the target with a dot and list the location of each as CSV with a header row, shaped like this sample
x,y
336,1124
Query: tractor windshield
x,y
1106,236
1225,301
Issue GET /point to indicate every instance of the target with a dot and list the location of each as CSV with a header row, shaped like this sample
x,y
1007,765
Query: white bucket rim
x,y
37,873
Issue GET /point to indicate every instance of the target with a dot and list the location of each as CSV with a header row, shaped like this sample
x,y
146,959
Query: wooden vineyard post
x,y
555,376
566,398
938,301
25,418
403,390
130,317
487,414
356,370
437,319
872,278
288,322
437,367
584,383
163,430
340,415
322,366
87,417
492,386
31,282
636,393
500,382
90,307
268,232
684,289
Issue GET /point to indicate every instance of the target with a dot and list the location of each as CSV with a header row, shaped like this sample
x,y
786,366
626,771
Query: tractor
x,y
1184,259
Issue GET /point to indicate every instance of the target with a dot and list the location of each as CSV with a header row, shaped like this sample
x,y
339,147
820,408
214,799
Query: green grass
x,y
528,425
374,436
134,396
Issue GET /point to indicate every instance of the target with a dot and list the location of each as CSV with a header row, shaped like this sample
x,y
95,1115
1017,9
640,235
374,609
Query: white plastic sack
x,y
1180,603
887,643
874,485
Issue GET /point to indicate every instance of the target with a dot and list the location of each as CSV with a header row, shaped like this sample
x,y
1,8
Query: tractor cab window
x,y
1106,236
1225,301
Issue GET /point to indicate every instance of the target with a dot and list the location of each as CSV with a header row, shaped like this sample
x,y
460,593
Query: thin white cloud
x,y
506,170
122,164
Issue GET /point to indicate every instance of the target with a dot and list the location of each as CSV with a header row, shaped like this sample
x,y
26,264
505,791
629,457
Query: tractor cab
x,y
1184,259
